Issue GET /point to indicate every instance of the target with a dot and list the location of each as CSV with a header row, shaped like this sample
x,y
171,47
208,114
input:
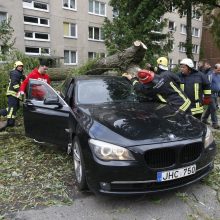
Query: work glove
x,y
127,75
20,95
206,100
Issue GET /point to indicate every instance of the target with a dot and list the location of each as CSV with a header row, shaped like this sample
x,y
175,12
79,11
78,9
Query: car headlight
x,y
107,151
208,137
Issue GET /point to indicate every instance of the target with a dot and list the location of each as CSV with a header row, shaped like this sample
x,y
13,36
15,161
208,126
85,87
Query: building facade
x,y
177,27
66,30
69,31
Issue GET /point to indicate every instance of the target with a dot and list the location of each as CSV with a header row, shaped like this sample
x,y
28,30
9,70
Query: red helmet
x,y
145,76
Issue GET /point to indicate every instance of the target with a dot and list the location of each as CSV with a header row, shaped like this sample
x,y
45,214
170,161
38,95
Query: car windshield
x,y
106,90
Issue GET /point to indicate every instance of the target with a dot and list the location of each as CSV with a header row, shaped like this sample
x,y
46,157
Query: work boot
x,y
3,125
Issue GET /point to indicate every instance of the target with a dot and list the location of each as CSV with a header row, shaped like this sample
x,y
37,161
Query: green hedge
x,y
3,86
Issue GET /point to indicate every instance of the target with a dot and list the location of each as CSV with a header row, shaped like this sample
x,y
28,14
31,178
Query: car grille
x,y
166,157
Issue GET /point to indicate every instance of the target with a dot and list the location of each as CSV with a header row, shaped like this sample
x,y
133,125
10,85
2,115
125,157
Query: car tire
x,y
79,166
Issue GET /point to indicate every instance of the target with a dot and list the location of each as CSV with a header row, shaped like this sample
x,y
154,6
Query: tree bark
x,y
125,61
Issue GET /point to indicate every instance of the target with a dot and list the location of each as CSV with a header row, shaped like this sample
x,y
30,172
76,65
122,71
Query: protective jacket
x,y
34,75
196,86
15,79
165,88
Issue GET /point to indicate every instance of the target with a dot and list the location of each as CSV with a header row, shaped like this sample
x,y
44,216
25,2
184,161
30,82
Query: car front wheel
x,y
79,166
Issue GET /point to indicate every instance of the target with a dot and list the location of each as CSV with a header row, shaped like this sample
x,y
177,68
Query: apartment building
x,y
68,31
177,27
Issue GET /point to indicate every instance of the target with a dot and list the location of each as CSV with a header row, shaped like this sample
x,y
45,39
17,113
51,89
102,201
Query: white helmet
x,y
188,62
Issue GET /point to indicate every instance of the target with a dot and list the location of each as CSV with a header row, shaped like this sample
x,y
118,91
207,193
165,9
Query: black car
x,y
122,142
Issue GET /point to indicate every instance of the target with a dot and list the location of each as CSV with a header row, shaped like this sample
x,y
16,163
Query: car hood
x,y
138,123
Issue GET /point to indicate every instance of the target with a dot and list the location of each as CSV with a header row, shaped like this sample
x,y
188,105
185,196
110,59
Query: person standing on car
x,y
212,107
161,87
15,78
39,73
195,85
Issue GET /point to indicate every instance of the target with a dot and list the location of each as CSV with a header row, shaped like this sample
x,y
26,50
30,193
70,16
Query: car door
x,y
45,114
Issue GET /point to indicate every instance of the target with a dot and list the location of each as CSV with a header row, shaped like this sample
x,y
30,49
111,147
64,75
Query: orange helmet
x,y
145,76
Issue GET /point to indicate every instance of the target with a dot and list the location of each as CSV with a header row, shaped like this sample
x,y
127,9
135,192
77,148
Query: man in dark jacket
x,y
214,77
15,78
195,85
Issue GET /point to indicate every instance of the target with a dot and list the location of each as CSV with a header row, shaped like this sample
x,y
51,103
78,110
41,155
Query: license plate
x,y
176,174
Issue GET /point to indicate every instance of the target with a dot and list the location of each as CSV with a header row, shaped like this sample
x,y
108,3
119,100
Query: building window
x,y
183,29
172,26
195,32
171,64
196,15
94,55
182,47
97,8
195,49
36,21
69,30
30,4
37,51
70,57
3,16
36,36
69,4
95,33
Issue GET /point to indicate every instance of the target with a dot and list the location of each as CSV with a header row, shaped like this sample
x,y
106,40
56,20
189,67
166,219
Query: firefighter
x,y
160,87
162,69
16,76
196,86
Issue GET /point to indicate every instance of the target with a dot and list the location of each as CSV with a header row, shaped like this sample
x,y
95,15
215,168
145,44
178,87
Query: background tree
x,y
192,8
6,37
137,20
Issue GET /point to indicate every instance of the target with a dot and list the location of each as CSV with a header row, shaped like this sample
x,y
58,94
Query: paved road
x,y
190,203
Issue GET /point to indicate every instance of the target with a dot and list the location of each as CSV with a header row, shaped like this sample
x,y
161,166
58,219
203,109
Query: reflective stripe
x,y
207,92
13,93
134,82
196,90
16,86
197,110
161,98
182,86
178,91
10,113
185,105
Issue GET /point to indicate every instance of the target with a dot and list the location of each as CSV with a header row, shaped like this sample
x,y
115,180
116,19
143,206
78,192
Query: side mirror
x,y
53,101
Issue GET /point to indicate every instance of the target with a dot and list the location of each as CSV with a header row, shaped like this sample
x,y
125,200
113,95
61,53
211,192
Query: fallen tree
x,y
124,61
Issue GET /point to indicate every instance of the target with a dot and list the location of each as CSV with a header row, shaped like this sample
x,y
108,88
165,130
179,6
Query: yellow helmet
x,y
18,63
162,63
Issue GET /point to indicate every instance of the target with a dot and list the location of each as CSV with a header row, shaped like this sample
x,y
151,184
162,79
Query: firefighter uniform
x,y
197,87
165,88
15,78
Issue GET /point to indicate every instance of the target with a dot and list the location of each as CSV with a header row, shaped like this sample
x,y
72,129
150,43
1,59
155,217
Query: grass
x,y
32,175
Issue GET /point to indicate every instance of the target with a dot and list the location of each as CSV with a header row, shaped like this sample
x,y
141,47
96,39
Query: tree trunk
x,y
126,61
188,44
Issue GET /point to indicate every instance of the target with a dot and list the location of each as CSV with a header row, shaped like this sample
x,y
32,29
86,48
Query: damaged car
x,y
121,142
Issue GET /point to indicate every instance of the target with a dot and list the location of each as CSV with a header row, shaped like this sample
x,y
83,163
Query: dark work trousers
x,y
11,110
211,110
